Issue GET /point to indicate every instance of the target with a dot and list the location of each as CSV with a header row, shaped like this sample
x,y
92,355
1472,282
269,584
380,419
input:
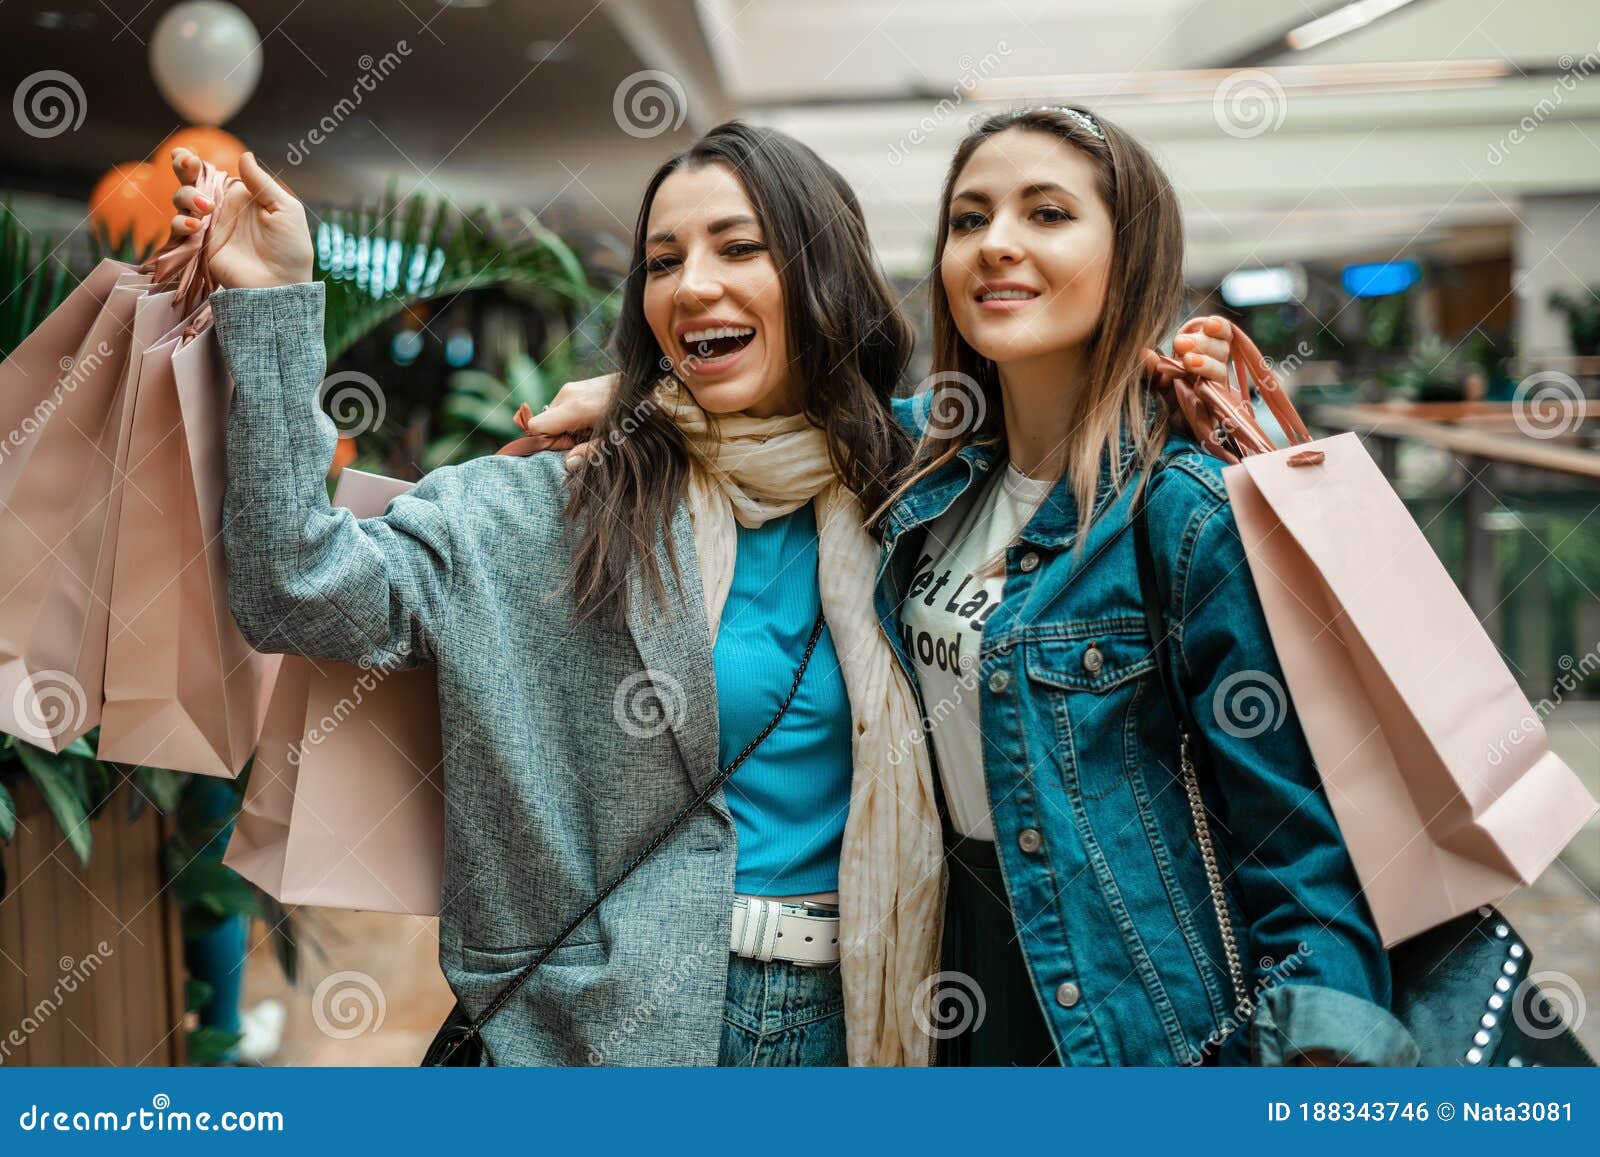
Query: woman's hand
x,y
259,238
572,415
1202,345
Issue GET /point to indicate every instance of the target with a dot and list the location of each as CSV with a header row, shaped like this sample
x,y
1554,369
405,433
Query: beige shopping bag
x,y
1438,771
183,689
345,804
65,401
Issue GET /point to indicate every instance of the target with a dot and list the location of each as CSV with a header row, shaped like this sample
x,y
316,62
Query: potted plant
x,y
1583,318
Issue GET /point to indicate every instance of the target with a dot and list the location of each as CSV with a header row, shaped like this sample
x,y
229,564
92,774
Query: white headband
x,y
1084,120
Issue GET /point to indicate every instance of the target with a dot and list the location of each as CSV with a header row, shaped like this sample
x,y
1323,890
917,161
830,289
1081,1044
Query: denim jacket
x,y
1092,822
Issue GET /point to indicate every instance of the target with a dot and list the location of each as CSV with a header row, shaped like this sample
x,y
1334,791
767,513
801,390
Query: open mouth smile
x,y
1004,296
714,347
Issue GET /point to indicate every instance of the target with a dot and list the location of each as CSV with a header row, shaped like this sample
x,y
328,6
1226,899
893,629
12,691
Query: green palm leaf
x,y
59,784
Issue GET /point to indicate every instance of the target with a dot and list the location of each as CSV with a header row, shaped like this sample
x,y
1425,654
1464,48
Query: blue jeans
x,y
780,1013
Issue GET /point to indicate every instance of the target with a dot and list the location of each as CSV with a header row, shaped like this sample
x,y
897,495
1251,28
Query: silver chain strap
x,y
1202,837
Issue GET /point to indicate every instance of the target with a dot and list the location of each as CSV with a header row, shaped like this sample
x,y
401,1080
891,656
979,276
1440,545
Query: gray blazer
x,y
553,777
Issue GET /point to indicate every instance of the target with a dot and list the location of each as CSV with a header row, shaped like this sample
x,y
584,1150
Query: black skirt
x,y
987,1013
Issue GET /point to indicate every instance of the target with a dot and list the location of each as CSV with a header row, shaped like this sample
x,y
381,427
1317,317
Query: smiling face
x,y
1027,251
712,296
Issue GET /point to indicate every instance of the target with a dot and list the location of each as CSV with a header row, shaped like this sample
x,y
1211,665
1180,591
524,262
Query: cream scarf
x,y
891,866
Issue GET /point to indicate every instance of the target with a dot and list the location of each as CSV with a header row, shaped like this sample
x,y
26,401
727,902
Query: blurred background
x,y
1398,200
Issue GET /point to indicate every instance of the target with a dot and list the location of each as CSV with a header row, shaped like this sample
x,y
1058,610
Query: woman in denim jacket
x,y
1080,926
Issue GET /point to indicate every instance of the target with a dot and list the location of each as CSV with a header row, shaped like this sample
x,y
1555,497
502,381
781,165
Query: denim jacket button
x,y
1028,840
1030,561
999,681
1093,660
1067,995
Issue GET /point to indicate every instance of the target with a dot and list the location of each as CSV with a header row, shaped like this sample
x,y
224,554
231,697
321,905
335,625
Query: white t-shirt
x,y
958,583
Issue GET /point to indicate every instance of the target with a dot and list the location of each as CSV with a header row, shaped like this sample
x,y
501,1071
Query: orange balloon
x,y
131,198
344,453
221,148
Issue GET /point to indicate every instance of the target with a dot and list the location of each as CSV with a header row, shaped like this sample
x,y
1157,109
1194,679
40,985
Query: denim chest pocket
x,y
1086,678
1093,657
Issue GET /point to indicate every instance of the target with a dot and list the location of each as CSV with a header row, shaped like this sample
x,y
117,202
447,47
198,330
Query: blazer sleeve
x,y
1329,987
305,577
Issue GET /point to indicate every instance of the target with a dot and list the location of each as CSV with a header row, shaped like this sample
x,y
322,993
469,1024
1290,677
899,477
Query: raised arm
x,y
305,577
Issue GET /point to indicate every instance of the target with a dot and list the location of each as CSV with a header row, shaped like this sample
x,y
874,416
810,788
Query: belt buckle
x,y
817,908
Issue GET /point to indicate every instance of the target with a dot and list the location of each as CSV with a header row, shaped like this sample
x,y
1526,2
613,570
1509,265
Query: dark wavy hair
x,y
848,346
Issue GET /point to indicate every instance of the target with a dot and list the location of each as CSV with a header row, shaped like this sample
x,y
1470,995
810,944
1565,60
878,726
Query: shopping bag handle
x,y
181,263
1223,416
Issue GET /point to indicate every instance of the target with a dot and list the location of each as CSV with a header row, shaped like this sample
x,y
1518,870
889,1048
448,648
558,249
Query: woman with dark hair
x,y
1154,247
603,647
1140,872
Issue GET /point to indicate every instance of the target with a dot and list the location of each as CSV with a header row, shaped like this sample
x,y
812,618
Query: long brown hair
x,y
849,344
1144,291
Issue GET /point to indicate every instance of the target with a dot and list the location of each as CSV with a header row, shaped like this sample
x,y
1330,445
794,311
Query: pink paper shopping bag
x,y
64,403
345,804
1438,770
182,688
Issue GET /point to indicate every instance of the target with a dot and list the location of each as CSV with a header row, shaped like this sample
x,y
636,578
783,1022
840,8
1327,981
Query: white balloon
x,y
206,58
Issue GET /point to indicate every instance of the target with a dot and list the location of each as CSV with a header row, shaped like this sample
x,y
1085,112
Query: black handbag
x,y
459,1041
1462,988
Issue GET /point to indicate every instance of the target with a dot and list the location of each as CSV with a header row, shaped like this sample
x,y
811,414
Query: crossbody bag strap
x,y
1160,633
506,993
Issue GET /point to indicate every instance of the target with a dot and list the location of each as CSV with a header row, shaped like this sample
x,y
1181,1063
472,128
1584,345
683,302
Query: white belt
x,y
775,930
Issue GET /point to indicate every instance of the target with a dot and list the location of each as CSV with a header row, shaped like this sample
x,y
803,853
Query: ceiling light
x,y
1246,287
1189,84
1342,20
